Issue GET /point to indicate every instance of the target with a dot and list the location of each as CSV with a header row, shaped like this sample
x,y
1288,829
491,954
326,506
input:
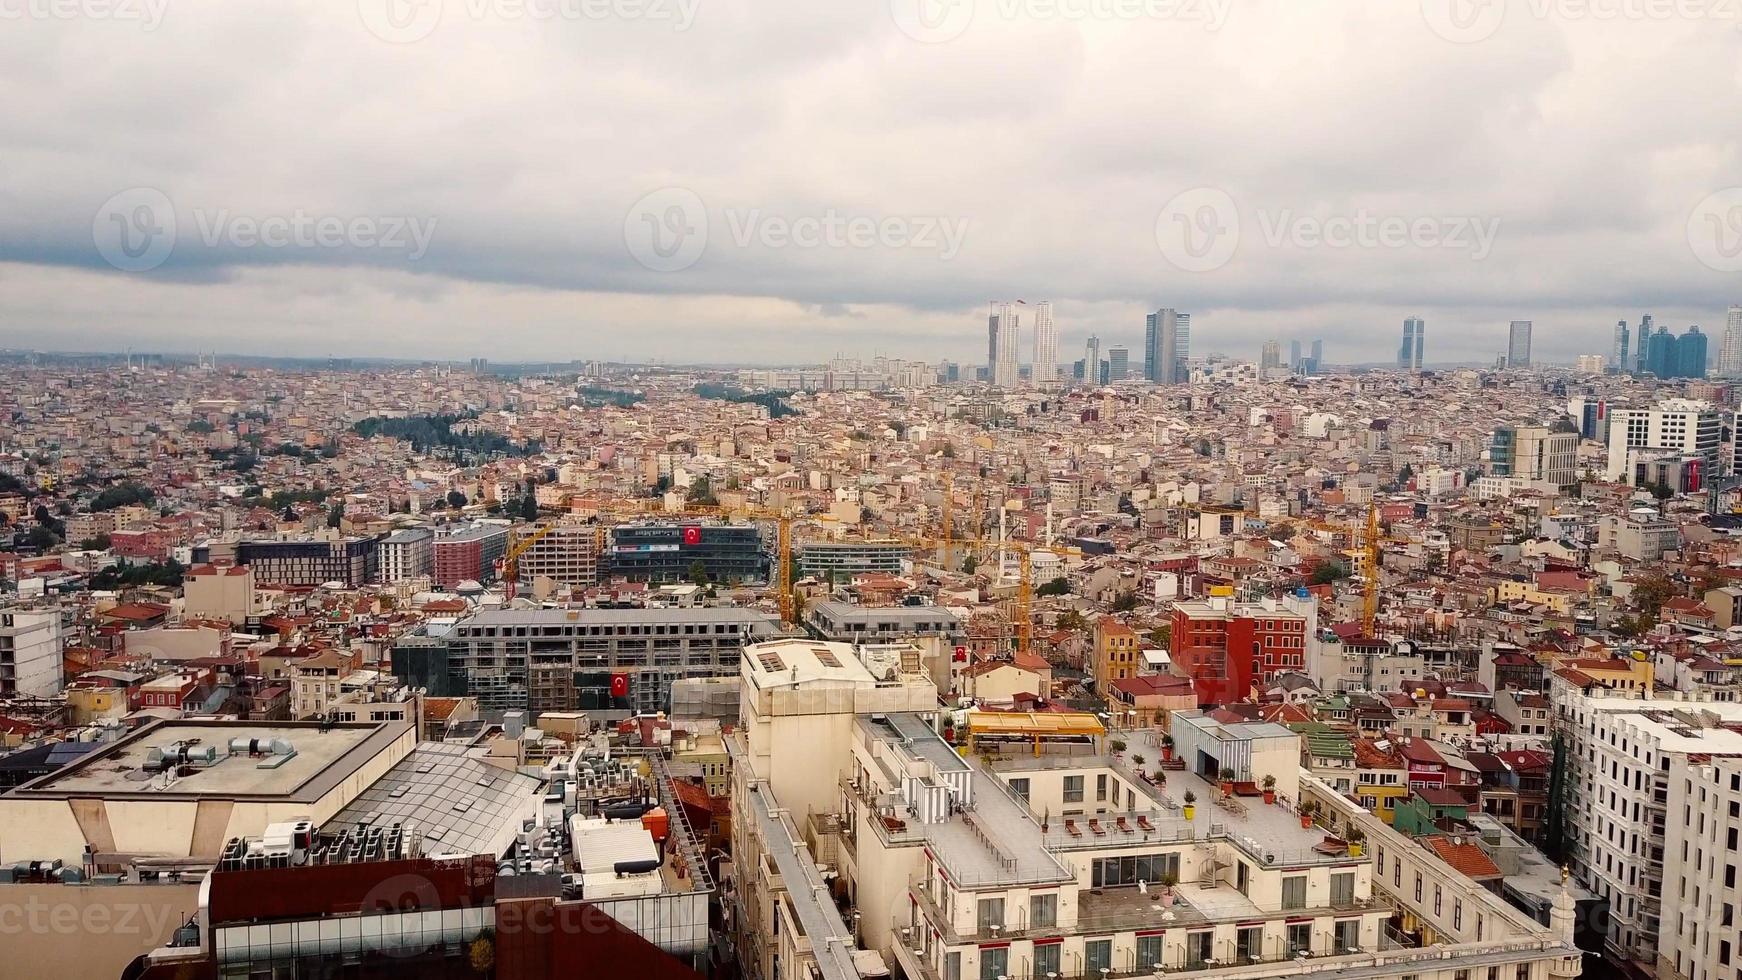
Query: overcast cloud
x,y
777,181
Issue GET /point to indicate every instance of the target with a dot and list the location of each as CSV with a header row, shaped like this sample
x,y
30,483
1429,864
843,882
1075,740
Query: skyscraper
x,y
1118,364
1164,338
1414,338
1620,353
1003,327
1641,341
1318,355
1271,357
1182,346
1046,344
1730,351
1294,355
1690,354
1660,355
1092,361
1518,345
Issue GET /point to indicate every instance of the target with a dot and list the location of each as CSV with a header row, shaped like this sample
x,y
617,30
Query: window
x,y
1294,889
1300,938
1073,789
952,966
991,913
1348,934
1343,889
1148,953
1101,786
1097,956
993,963
1249,942
1020,788
1043,911
1130,870
1046,959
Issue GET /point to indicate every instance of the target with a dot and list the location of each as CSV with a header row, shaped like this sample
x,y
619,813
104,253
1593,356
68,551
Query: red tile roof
x,y
1469,859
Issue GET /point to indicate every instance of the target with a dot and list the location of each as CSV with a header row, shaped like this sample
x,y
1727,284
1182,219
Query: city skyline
x,y
542,263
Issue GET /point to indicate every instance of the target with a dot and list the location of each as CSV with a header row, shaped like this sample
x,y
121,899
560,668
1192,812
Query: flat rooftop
x,y
615,617
326,755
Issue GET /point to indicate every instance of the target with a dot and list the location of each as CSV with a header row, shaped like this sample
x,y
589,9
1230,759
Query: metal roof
x,y
460,804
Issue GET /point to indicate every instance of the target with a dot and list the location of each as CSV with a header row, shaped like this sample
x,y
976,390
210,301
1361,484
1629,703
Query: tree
x,y
1204,447
1328,572
456,499
529,506
1070,619
336,515
1058,586
699,573
1282,532
949,451
1126,602
99,543
969,564
701,491
1162,636
41,538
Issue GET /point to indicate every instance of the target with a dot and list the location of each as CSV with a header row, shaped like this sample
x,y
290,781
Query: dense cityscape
x,y
1145,662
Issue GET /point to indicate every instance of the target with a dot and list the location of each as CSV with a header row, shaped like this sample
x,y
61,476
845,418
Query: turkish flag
x,y
692,535
619,685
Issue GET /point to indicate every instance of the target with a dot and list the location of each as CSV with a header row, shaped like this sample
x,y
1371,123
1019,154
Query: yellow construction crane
x,y
511,558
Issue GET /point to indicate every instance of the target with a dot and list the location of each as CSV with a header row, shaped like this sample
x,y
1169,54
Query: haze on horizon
x,y
774,181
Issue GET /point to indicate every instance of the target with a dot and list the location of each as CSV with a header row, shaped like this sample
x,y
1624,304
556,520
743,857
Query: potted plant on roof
x,y
1227,781
1308,809
1191,800
1355,836
1168,880
1166,747
1117,745
1269,790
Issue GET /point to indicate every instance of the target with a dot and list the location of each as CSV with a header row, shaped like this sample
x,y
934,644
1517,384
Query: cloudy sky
x,y
780,181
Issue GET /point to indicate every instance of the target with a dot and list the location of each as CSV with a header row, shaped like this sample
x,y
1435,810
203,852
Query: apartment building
x,y
1692,428
844,559
567,554
1653,808
1642,535
1227,646
406,555
31,646
494,655
350,561
1038,854
1535,453
468,553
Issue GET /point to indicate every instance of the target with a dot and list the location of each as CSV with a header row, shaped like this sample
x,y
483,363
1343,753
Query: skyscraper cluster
x,y
1669,356
1004,338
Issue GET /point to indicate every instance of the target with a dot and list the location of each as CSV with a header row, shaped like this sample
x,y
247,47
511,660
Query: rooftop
x,y
458,803
325,756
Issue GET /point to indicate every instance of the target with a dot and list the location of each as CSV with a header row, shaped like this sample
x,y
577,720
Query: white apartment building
x,y
1692,428
1654,808
406,555
1641,536
30,652
1037,854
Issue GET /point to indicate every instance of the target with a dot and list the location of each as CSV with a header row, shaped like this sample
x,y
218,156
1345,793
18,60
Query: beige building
x,y
1037,854
220,592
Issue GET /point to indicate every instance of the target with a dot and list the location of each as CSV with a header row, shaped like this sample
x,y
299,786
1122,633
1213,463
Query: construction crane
x,y
511,558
